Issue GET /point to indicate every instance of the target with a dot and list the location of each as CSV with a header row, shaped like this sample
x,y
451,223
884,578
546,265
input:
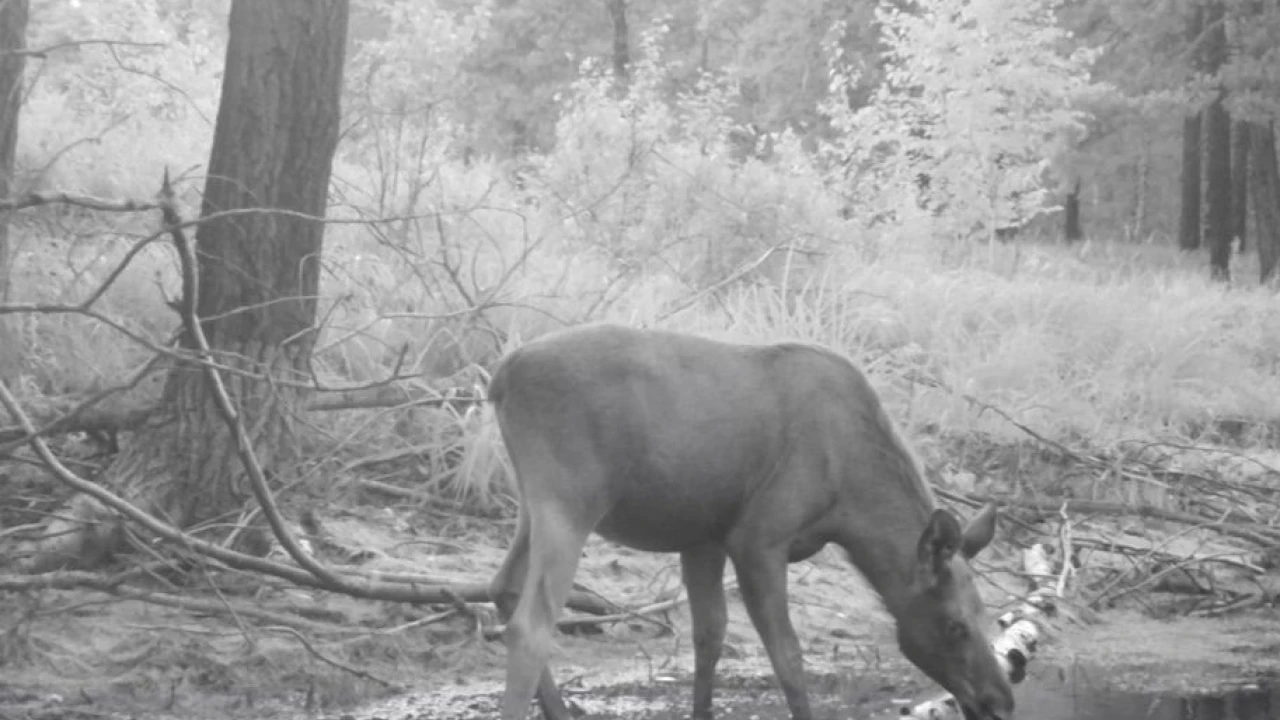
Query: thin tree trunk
x,y
1218,219
1239,182
1264,186
1072,231
1142,185
621,45
1189,220
257,277
13,29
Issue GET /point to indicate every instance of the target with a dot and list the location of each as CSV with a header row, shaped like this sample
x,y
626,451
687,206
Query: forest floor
x,y
86,655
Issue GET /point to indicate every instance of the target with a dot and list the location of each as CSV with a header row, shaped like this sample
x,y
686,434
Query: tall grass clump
x,y
1100,360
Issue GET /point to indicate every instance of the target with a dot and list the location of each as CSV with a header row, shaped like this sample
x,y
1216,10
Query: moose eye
x,y
957,632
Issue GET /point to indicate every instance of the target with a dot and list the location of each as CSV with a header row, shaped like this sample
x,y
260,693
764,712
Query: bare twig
x,y
44,51
224,607
642,613
68,579
129,418
35,199
1260,534
328,660
395,592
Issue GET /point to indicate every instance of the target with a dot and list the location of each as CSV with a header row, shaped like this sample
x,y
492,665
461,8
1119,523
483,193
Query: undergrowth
x,y
643,214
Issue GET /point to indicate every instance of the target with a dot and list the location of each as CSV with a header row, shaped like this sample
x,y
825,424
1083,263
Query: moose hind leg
x,y
505,588
762,575
703,571
505,591
555,544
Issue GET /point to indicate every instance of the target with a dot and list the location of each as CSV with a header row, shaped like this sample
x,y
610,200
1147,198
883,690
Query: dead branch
x,y
82,414
330,661
737,274
567,623
222,399
402,493
640,613
36,199
68,579
43,52
134,416
1263,535
1267,536
368,589
1235,560
224,607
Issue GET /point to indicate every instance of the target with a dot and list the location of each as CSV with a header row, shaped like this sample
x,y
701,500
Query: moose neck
x,y
882,529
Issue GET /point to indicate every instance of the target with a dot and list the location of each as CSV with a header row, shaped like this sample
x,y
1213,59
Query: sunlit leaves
x,y
977,93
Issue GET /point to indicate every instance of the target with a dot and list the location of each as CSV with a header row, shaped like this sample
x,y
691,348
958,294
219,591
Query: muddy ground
x,y
78,654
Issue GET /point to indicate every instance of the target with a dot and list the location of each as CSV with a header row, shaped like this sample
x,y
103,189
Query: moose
x,y
758,454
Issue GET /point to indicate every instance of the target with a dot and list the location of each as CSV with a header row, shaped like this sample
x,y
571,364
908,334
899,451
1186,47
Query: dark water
x,y
1051,694
1055,695
1248,703
1083,698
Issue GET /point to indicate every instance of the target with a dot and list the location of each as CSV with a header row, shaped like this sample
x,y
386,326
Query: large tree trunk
x,y
1264,186
13,30
1217,193
1239,182
258,274
1189,220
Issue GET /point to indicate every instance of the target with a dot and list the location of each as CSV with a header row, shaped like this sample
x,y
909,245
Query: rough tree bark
x,y
257,280
1189,220
1264,186
1239,182
1217,131
13,30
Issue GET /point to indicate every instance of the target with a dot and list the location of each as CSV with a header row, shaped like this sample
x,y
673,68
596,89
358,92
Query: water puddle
x,y
1240,704
1075,694
1085,700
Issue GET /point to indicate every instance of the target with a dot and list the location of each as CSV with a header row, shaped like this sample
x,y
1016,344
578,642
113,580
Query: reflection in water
x,y
1244,704
1077,698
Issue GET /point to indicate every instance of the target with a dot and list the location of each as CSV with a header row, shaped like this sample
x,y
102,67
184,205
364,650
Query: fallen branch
x,y
35,199
641,613
330,661
399,590
372,590
133,417
69,579
1237,559
221,607
1263,535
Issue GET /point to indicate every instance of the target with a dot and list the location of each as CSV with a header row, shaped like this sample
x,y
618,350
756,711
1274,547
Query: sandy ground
x,y
76,655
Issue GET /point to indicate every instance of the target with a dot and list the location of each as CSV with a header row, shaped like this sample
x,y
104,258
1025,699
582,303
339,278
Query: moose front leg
x,y
703,571
762,574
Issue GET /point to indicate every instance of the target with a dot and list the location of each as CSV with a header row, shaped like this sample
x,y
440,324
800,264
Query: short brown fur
x,y
756,454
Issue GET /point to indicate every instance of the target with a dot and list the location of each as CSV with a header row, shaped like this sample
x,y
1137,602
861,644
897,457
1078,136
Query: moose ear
x,y
939,543
979,531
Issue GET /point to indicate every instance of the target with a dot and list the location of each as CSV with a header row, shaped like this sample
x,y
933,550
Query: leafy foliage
x,y
976,95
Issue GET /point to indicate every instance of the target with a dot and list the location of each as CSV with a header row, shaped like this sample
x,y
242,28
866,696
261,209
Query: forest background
x,y
1033,223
